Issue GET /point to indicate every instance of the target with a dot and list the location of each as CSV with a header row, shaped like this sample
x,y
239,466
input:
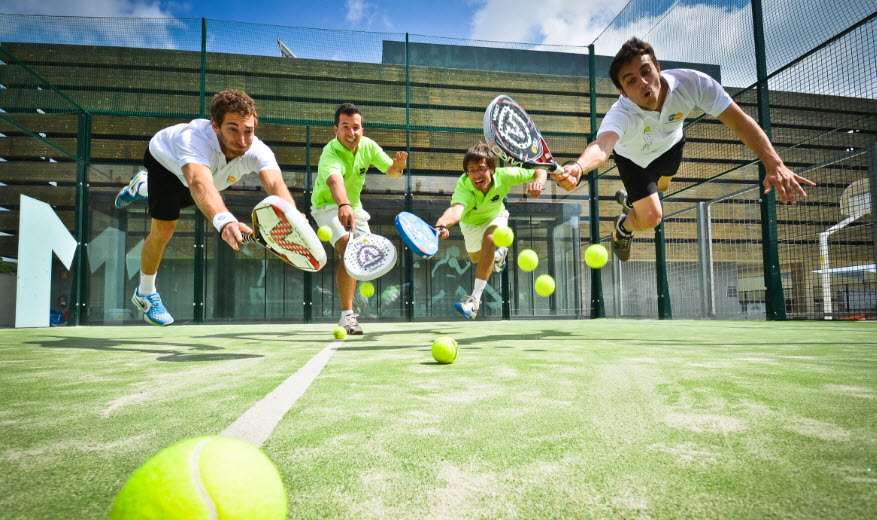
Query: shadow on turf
x,y
308,336
118,345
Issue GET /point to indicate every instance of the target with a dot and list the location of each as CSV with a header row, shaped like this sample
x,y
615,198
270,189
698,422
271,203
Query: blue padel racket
x,y
420,237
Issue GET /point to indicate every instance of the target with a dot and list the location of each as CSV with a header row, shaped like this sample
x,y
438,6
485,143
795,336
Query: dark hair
x,y
480,152
348,109
631,50
231,100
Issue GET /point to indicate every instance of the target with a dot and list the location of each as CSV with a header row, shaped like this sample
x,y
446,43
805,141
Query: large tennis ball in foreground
x,y
544,285
367,289
596,256
444,349
528,260
503,236
205,477
324,233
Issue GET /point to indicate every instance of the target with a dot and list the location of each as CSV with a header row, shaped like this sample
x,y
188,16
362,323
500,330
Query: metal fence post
x,y
598,309
199,252
775,302
79,298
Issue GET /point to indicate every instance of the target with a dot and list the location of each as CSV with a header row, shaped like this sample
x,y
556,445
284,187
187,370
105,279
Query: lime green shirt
x,y
337,159
480,208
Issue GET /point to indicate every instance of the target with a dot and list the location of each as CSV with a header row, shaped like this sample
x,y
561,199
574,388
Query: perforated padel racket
x,y
513,136
285,232
368,256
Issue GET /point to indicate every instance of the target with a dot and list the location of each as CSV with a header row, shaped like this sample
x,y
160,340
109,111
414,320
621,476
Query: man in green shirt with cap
x,y
477,204
335,201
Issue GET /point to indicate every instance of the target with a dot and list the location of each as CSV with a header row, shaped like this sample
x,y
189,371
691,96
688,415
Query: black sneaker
x,y
621,243
621,198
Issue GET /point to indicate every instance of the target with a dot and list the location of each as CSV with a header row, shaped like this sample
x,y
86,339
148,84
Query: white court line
x,y
257,423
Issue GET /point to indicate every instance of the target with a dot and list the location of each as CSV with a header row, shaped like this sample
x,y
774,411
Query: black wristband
x,y
344,204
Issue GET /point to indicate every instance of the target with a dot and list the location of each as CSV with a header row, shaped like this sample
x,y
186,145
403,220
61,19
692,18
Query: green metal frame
x,y
598,308
774,299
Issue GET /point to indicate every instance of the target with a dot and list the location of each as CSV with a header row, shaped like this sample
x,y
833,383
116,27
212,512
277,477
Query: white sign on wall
x,y
40,233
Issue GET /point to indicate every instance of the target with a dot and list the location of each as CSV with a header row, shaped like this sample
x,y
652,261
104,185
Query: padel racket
x,y
513,136
286,233
368,256
420,237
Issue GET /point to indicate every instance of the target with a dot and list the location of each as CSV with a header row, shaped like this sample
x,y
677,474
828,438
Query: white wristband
x,y
221,219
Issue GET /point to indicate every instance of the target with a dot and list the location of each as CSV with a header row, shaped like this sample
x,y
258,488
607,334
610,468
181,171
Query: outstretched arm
x,y
450,217
593,156
787,183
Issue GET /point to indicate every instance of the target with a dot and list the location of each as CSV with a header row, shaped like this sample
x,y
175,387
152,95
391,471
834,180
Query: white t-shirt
x,y
196,142
644,134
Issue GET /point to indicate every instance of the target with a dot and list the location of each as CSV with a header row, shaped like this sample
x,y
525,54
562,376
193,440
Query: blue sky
x,y
479,19
704,31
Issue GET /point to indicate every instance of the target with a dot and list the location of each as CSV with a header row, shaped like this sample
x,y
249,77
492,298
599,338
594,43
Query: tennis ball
x,y
503,236
444,349
324,233
339,332
367,289
528,260
544,285
203,477
596,256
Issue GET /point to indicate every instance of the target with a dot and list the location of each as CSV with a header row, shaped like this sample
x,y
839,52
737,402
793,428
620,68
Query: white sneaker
x,y
134,191
499,257
468,308
350,323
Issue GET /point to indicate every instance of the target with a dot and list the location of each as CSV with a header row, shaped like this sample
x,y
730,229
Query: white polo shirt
x,y
196,142
644,134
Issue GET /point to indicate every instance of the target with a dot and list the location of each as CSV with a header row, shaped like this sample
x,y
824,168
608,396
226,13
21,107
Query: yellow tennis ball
x,y
444,349
367,289
544,285
324,233
596,256
503,236
528,260
200,477
339,332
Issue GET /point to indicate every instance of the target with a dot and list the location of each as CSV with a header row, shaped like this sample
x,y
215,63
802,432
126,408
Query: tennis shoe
x,y
620,241
350,323
468,308
153,309
133,192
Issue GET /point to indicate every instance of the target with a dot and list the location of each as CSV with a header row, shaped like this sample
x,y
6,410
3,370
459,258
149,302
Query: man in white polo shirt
x,y
190,163
644,128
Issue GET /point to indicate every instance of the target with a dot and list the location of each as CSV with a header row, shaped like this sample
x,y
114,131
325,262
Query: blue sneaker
x,y
153,310
468,308
134,191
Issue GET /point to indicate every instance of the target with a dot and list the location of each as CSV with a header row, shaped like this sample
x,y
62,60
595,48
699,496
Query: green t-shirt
x,y
480,208
336,158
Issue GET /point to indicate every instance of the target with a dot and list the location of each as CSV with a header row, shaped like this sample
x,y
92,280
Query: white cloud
x,y
556,22
85,25
703,31
86,8
356,10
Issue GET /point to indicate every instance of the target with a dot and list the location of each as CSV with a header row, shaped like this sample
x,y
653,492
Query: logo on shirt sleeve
x,y
678,116
362,170
495,198
232,179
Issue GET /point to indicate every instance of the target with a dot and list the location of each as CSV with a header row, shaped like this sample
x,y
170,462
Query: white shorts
x,y
474,235
328,216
